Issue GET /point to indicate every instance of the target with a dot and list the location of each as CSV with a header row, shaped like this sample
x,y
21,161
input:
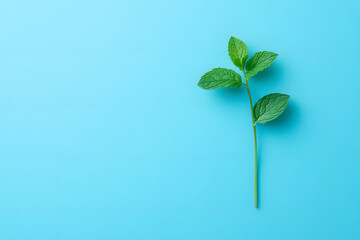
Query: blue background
x,y
104,134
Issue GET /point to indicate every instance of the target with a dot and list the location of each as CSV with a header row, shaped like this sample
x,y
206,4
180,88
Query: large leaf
x,y
270,107
238,52
220,78
259,62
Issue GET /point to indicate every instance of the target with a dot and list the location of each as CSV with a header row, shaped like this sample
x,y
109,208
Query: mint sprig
x,y
268,107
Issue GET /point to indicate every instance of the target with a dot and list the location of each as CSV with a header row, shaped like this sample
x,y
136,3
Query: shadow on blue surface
x,y
231,95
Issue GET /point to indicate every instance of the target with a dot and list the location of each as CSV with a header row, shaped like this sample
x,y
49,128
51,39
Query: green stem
x,y
255,141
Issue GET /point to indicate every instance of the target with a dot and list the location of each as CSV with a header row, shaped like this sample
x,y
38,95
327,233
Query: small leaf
x,y
220,78
259,62
270,107
238,52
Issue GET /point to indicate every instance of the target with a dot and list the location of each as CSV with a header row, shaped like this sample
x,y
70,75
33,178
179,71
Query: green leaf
x,y
238,52
270,107
220,78
259,62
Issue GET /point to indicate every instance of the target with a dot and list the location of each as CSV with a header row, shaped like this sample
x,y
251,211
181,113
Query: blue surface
x,y
104,134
